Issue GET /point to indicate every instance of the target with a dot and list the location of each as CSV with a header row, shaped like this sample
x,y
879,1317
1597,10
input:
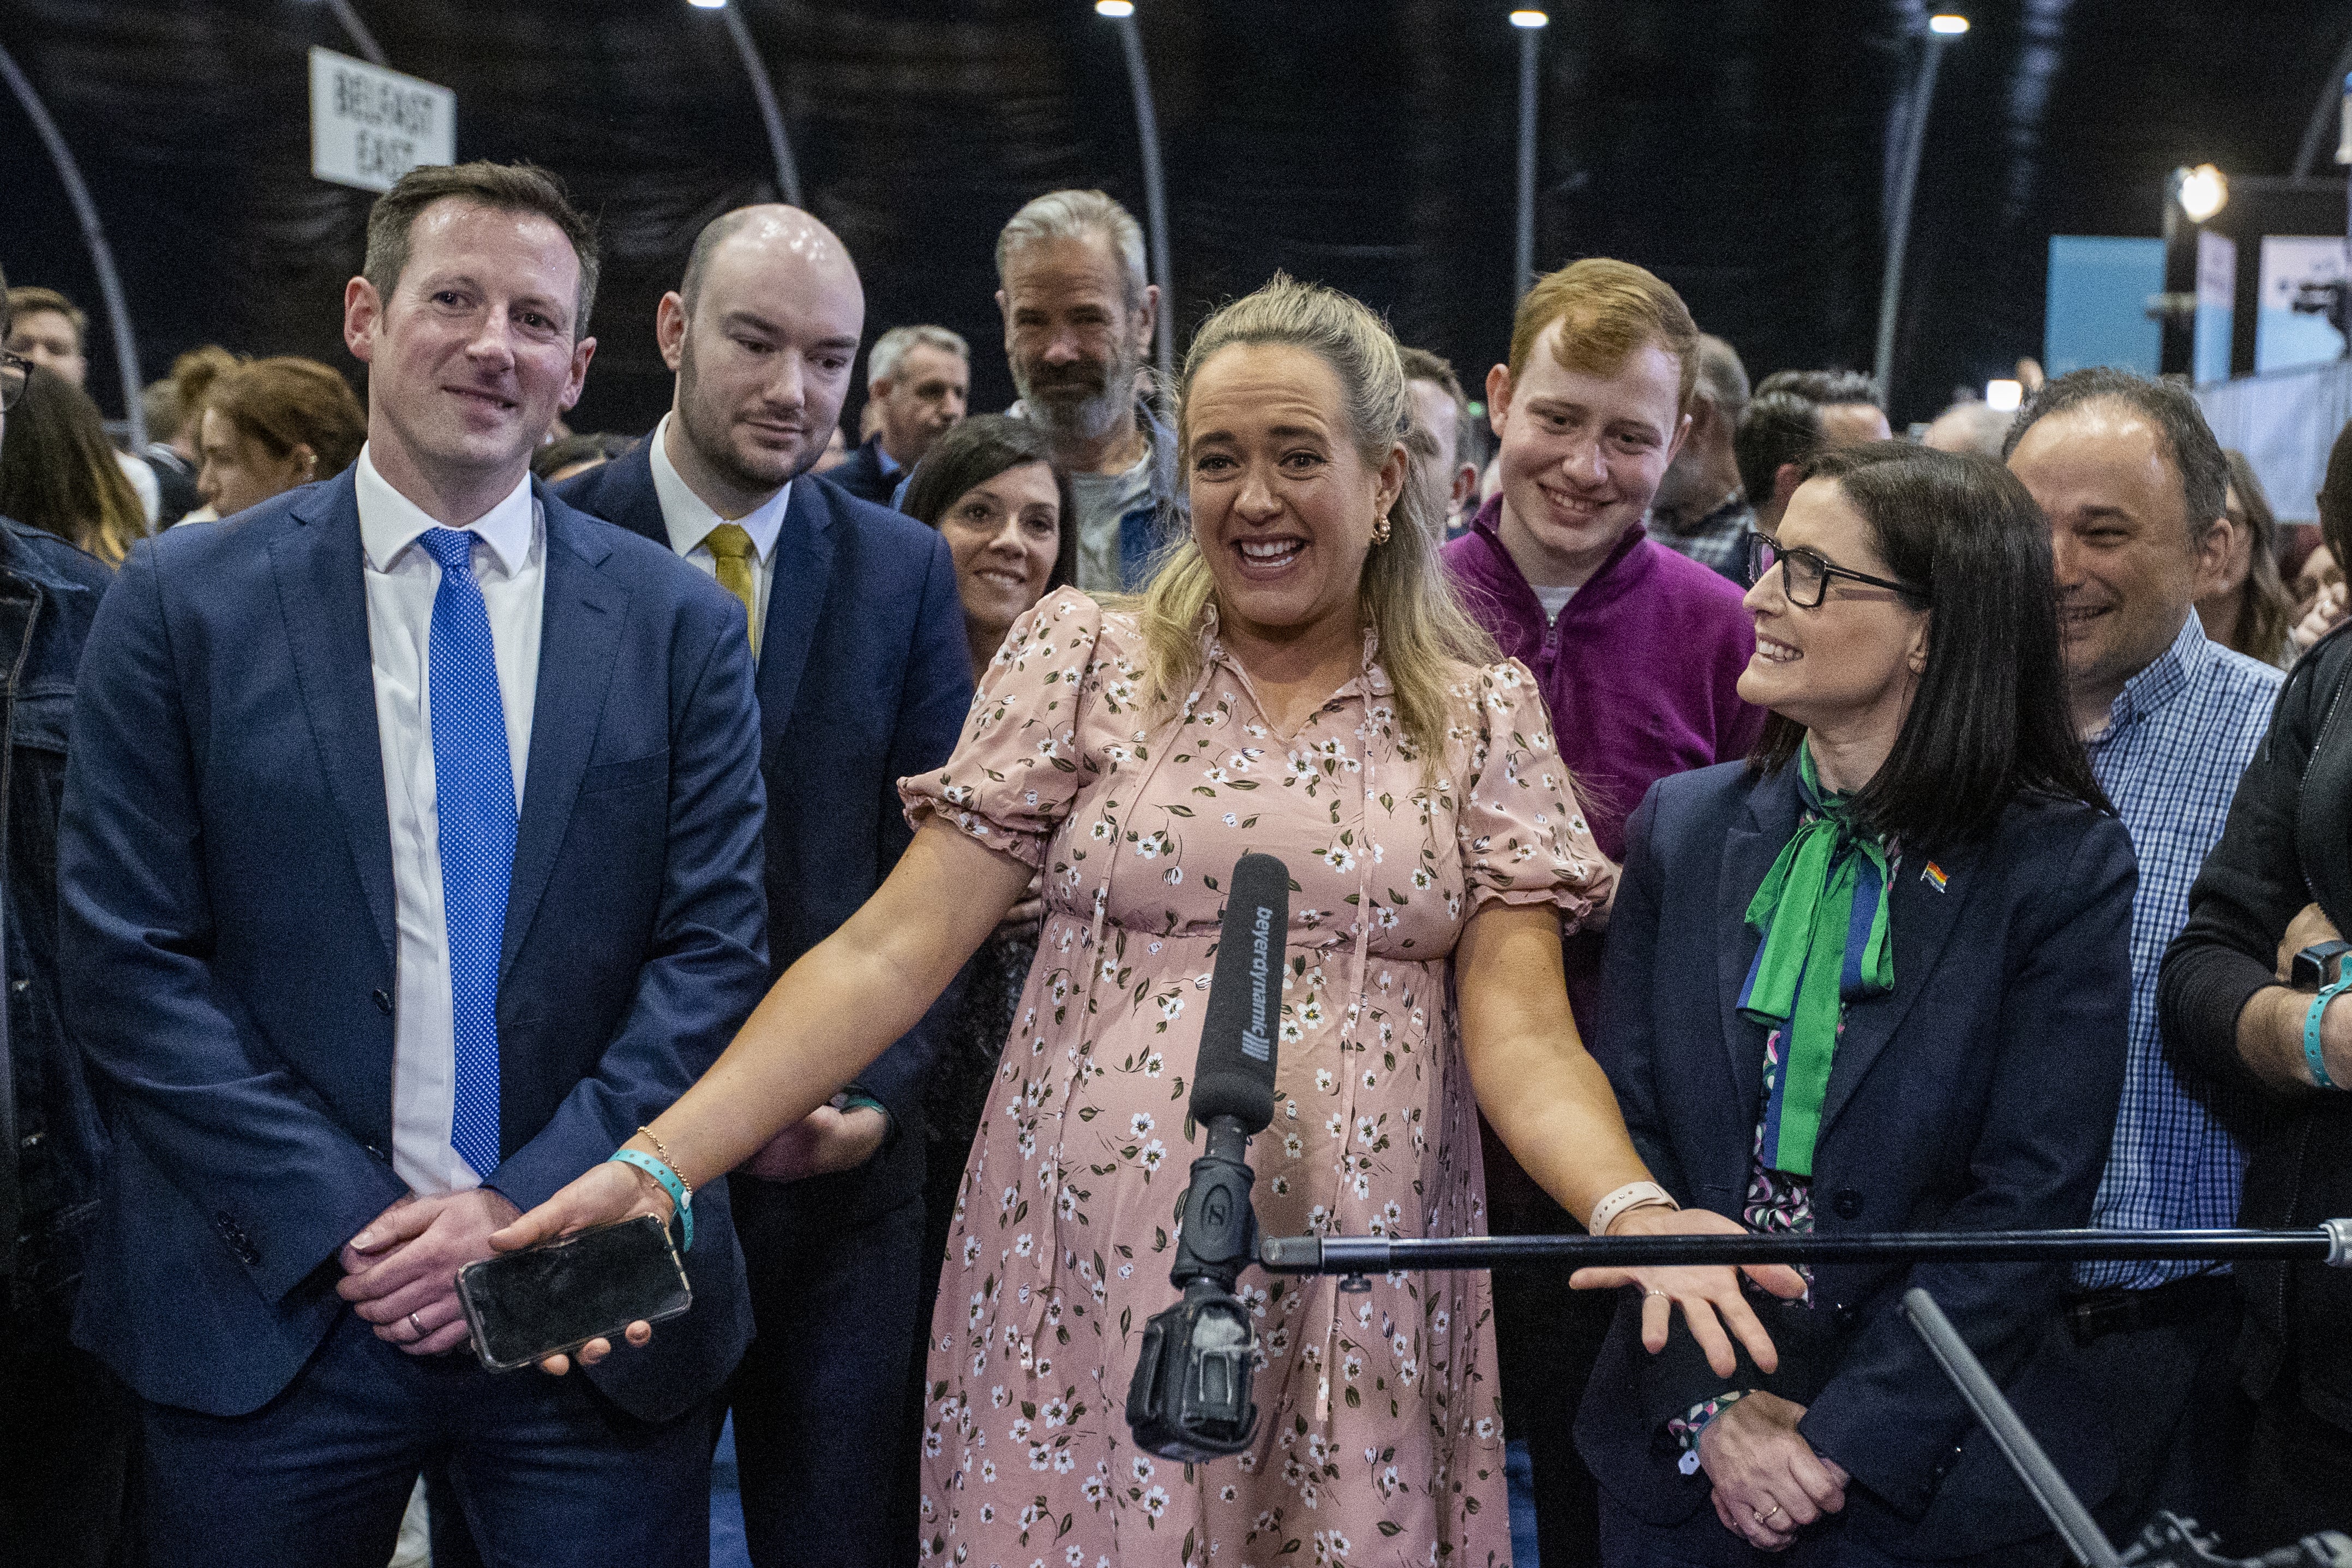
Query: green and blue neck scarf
x,y
1823,914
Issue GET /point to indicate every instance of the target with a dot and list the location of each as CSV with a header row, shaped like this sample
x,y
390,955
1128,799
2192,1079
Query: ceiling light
x,y
1950,27
2201,192
1528,19
2004,396
707,4
1115,8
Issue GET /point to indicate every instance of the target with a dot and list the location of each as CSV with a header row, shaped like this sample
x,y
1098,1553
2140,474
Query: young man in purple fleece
x,y
1638,651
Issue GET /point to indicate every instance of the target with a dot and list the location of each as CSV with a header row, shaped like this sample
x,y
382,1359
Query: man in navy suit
x,y
863,679
410,860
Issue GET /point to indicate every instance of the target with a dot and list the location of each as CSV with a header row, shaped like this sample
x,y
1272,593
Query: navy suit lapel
x,y
622,493
796,590
581,623
1766,823
1920,923
320,571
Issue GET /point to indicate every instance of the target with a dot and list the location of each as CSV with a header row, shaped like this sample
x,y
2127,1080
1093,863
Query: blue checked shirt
x,y
1719,541
2176,742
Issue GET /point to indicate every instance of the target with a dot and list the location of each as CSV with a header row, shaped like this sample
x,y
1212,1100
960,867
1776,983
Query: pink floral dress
x,y
1379,1440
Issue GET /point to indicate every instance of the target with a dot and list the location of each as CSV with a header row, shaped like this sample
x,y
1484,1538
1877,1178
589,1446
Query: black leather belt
x,y
2095,1314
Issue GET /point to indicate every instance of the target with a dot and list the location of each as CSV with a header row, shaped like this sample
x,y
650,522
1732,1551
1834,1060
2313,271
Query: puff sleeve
x,y
1015,772
1523,834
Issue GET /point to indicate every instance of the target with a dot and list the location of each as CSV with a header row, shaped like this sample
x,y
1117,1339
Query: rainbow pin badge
x,y
1932,876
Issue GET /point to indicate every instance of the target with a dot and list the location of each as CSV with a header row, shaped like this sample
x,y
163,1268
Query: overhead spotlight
x,y
1114,8
707,4
2004,396
2201,192
1529,20
1949,26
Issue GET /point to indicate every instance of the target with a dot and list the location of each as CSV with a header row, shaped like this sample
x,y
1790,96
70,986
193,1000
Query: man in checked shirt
x,y
2132,481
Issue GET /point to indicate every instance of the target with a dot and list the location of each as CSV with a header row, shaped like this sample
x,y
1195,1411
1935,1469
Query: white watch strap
x,y
1633,1194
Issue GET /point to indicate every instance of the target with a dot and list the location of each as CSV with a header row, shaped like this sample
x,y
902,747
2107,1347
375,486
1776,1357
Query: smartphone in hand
x,y
544,1301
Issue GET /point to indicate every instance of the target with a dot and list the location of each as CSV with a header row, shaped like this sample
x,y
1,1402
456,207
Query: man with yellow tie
x,y
862,678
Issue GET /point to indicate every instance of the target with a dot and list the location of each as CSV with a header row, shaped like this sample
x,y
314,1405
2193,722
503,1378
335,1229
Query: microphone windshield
x,y
1235,1074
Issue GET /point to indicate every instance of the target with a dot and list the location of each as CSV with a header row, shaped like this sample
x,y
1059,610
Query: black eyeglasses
x,y
14,373
1805,574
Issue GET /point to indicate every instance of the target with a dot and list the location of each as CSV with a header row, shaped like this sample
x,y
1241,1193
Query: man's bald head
x,y
773,228
762,333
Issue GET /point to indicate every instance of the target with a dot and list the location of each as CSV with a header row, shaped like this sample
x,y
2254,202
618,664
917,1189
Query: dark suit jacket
x,y
227,894
863,678
867,474
1979,1095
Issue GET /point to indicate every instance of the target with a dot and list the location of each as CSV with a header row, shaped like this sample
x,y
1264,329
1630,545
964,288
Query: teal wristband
x,y
2312,1054
854,1101
681,1201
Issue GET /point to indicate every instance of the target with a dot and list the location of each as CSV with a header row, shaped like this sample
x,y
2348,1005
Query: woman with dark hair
x,y
1875,978
2249,991
58,473
2250,611
989,486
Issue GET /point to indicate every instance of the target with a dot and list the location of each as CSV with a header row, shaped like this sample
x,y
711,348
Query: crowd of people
x,y
431,831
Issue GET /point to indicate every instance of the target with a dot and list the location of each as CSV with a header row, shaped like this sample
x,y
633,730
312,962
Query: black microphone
x,y
1234,1076
1190,1399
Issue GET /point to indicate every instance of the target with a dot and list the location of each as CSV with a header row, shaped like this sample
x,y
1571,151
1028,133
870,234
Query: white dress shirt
x,y
509,564
689,519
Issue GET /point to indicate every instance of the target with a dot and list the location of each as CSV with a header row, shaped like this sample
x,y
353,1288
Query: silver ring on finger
x,y
1660,1295
417,1326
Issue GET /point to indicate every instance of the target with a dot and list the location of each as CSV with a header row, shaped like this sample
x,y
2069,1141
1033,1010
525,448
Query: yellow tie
x,y
731,547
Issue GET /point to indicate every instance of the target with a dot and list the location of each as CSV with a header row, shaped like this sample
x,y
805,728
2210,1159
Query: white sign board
x,y
370,126
2285,337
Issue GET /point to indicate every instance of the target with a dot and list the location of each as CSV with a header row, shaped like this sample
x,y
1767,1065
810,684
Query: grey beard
x,y
1088,420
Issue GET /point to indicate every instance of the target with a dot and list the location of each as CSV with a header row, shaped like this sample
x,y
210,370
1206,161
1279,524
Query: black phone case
x,y
477,1281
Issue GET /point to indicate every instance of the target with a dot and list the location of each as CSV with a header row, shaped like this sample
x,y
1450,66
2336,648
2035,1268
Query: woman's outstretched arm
x,y
832,1012
1551,1105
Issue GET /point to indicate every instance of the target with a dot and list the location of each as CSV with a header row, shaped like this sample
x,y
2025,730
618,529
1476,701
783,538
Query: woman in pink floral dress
x,y
1379,1421
1298,681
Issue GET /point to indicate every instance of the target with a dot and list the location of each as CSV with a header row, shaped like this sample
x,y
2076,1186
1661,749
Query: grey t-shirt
x,y
1103,499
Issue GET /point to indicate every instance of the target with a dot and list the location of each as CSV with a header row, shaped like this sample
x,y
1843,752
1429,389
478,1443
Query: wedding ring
x,y
417,1326
1660,1294
1768,1513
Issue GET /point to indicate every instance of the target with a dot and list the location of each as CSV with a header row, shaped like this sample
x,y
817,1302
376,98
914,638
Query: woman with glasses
x,y
1875,979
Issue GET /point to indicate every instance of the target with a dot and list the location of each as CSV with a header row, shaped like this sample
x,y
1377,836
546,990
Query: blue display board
x,y
2096,312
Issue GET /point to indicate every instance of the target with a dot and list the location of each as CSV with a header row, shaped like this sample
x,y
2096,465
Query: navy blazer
x,y
865,677
1979,1095
226,884
867,474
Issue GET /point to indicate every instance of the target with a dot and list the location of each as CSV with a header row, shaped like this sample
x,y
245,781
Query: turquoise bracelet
x,y
2312,1054
681,1201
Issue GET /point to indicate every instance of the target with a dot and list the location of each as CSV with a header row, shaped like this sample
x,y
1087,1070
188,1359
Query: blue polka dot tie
x,y
473,786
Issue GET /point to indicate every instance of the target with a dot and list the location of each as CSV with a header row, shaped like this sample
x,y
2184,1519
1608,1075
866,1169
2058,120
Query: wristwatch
x,y
2320,967
2321,964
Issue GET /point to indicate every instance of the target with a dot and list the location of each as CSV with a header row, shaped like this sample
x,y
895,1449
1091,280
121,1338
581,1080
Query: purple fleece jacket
x,y
1639,675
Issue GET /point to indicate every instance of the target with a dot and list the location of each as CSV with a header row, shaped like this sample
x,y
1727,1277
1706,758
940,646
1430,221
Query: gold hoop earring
x,y
1381,532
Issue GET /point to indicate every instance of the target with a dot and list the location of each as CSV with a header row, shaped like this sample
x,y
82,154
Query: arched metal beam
x,y
2331,97
1899,227
362,39
1524,256
764,89
1155,197
93,234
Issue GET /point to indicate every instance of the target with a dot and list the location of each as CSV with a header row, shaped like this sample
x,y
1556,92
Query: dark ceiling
x,y
1740,148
